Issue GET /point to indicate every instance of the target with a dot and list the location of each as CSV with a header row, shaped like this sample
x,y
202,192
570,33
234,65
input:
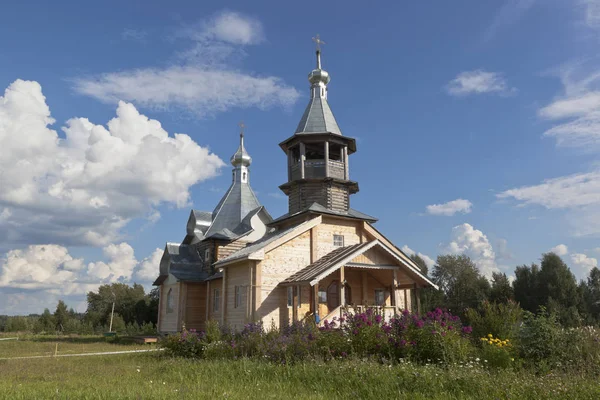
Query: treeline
x,y
135,313
550,286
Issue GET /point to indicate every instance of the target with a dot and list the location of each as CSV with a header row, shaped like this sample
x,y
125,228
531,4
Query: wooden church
x,y
237,264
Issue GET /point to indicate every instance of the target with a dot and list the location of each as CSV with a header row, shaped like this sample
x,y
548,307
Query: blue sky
x,y
477,126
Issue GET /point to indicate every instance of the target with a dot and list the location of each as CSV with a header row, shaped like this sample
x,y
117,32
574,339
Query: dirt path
x,y
84,354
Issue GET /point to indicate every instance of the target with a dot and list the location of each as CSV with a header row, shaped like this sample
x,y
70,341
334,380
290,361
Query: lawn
x,y
155,376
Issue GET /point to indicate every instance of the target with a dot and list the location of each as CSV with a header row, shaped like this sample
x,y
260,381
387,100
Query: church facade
x,y
237,264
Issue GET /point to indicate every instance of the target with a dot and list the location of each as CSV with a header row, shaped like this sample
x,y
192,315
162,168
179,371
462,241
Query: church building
x,y
237,264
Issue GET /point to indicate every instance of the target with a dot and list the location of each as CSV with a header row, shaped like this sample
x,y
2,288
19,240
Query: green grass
x,y
155,376
46,345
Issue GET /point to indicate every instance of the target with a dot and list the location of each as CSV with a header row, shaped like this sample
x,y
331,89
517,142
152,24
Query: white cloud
x,y
138,35
509,13
198,90
235,28
204,80
570,191
577,109
450,208
467,240
50,272
560,250
582,264
478,82
84,188
147,270
591,13
428,260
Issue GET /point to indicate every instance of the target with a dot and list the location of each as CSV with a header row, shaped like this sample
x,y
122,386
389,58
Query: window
x,y
322,296
170,300
216,300
290,296
379,297
243,177
238,297
207,256
338,240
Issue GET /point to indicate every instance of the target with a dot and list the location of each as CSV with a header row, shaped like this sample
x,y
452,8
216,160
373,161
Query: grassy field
x,y
30,345
155,376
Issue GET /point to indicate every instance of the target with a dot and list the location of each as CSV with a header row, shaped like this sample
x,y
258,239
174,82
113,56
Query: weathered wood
x,y
208,301
223,296
395,295
302,159
327,158
342,291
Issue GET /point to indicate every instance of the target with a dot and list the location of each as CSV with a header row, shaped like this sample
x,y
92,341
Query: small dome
x,y
241,156
319,75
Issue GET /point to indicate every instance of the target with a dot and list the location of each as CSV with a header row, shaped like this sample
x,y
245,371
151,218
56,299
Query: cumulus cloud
x,y
50,272
204,80
428,260
450,208
560,250
84,188
467,240
478,82
582,264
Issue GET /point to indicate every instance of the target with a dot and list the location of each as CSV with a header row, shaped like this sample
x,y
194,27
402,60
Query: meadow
x,y
155,375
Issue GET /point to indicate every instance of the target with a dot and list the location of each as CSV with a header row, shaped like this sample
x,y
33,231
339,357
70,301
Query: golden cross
x,y
318,41
242,126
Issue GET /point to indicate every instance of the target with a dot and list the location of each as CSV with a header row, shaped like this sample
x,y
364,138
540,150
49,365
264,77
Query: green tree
x,y
590,297
420,263
61,315
525,287
131,303
558,288
501,291
461,282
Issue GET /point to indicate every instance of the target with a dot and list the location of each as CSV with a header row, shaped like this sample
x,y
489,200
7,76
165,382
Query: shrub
x,y
185,344
499,319
497,353
538,340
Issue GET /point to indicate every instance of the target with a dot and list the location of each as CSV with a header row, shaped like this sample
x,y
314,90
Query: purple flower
x,y
467,329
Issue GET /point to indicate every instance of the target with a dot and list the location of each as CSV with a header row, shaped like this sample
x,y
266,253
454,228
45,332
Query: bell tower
x,y
317,153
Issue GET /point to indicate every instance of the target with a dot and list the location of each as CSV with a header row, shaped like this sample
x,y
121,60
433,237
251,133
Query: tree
x,y
552,286
590,297
501,291
525,287
460,281
420,263
61,315
131,303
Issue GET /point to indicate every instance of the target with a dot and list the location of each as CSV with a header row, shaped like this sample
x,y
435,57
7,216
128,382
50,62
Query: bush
x,y
538,340
496,352
499,319
188,344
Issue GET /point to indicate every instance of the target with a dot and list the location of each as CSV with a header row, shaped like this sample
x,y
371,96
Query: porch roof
x,y
327,264
331,261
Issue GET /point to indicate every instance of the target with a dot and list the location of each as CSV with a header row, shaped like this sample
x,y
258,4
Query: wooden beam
x,y
405,301
342,286
365,287
294,303
395,294
346,166
316,300
302,159
207,316
160,306
223,296
257,288
418,299
326,159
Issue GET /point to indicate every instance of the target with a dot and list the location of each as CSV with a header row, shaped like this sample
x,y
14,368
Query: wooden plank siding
x,y
195,306
237,314
325,231
212,314
277,265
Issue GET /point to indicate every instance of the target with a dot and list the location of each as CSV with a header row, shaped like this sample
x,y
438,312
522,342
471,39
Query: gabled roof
x,y
337,257
182,253
318,118
342,256
256,250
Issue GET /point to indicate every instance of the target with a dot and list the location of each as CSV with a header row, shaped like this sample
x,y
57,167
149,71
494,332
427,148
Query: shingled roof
x,y
318,118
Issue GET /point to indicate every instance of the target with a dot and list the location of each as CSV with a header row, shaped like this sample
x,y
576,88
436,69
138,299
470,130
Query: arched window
x,y
243,177
170,301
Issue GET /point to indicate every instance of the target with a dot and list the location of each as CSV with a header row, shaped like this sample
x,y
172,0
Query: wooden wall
x,y
195,306
325,231
168,320
214,284
277,265
237,317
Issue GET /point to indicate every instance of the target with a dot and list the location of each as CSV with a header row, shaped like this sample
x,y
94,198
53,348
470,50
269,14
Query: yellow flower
x,y
490,335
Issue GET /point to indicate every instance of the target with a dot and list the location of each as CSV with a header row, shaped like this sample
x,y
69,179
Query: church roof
x,y
269,238
317,208
237,203
318,118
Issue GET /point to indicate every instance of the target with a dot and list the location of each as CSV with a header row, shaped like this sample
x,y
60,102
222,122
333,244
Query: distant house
x,y
238,265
